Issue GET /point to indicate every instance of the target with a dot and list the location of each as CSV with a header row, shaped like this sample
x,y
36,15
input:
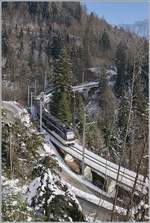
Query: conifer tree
x,y
61,101
122,78
79,109
63,108
50,192
56,46
14,206
5,147
145,68
105,42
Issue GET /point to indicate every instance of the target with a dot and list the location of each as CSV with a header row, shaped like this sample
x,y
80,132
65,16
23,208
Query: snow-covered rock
x,y
14,207
69,160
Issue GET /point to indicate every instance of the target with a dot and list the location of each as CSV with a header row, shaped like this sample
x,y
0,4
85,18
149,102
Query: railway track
x,y
101,166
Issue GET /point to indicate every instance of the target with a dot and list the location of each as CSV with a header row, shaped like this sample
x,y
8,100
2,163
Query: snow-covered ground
x,y
92,108
96,200
111,76
18,111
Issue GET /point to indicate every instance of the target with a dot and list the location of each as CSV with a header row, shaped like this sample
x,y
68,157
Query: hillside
x,y
59,44
31,183
33,34
139,27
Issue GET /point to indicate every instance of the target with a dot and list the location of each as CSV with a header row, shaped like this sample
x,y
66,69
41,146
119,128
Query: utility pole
x,y
74,110
40,115
31,103
83,77
83,137
10,152
28,96
35,88
135,181
45,81
83,142
14,91
124,144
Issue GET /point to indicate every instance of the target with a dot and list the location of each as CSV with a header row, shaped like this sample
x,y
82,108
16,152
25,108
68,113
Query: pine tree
x,y
103,84
5,147
56,46
122,77
50,192
64,113
63,72
79,107
61,101
123,114
145,68
106,120
14,206
105,42
19,142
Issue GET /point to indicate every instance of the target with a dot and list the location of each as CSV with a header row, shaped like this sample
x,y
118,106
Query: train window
x,y
51,126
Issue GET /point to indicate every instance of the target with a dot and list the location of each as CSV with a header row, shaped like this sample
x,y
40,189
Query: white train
x,y
55,127
64,134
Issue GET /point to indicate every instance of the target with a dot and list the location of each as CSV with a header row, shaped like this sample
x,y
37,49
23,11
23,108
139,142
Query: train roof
x,y
50,89
57,121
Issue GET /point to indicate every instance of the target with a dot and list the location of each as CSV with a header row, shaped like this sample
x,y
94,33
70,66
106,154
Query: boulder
x,y
71,162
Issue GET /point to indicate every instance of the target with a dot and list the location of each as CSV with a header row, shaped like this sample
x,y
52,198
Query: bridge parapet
x,y
106,168
86,86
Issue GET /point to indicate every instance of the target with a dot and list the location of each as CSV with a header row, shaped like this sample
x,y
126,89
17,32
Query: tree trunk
x,y
124,143
135,181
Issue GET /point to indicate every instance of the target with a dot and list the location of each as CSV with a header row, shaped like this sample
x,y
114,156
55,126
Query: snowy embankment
x,y
56,186
17,111
13,200
96,200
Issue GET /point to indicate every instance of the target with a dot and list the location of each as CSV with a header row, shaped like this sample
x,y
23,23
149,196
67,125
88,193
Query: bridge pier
x,y
111,187
105,183
48,106
86,93
88,173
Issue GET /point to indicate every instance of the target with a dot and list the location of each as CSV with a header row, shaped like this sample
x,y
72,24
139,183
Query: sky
x,y
119,13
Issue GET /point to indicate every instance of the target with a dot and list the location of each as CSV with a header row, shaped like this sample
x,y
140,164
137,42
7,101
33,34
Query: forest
x,y
60,44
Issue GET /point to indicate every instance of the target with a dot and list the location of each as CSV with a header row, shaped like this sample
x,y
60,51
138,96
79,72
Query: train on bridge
x,y
64,137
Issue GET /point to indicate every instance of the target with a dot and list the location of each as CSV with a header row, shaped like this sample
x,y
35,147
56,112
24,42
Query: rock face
x,y
88,173
72,163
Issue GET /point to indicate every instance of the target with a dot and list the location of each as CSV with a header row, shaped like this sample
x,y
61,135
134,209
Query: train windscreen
x,y
70,135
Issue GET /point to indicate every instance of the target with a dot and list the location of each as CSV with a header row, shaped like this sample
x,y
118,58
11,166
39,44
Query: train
x,y
56,128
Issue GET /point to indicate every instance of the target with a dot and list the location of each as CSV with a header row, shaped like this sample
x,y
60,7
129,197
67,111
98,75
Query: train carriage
x,y
55,127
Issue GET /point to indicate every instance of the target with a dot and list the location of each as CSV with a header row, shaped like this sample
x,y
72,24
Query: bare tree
x,y
135,181
137,49
124,142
